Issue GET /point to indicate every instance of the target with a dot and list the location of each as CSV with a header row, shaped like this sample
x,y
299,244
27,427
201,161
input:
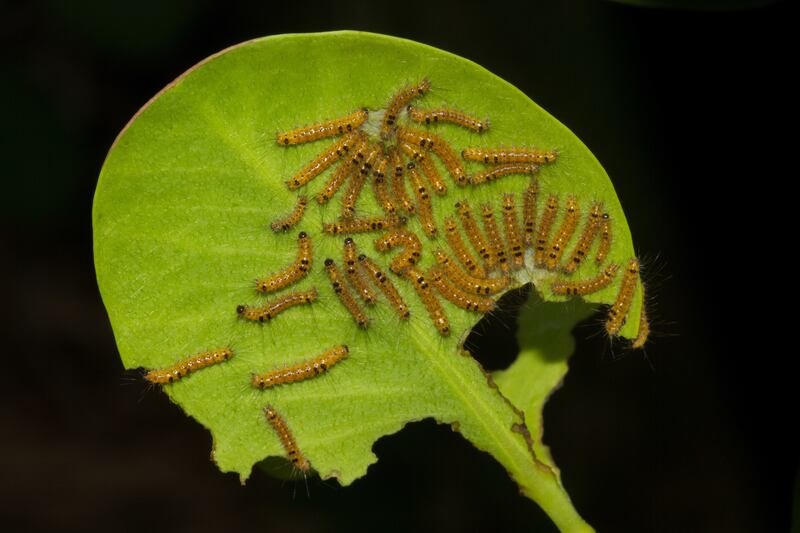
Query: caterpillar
x,y
586,239
398,184
379,186
451,162
323,161
429,300
496,245
344,294
473,232
605,239
182,368
464,280
334,183
619,309
424,207
354,275
409,241
291,220
644,327
587,286
438,146
287,439
352,192
508,155
300,371
457,296
460,248
277,306
400,101
545,224
294,272
364,225
529,211
385,285
322,130
427,166
513,236
434,116
564,233
492,174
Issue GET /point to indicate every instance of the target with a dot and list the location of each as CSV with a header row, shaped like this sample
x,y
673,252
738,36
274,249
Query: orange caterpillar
x,y
182,368
379,186
398,185
428,167
529,211
644,327
354,275
586,239
492,174
287,439
409,241
605,239
423,202
340,175
513,236
473,232
364,225
508,155
464,280
385,285
324,160
285,224
432,305
438,146
294,272
460,248
430,170
357,159
338,126
545,224
586,286
451,163
457,296
357,181
564,233
400,101
619,309
344,294
277,306
498,249
434,116
301,371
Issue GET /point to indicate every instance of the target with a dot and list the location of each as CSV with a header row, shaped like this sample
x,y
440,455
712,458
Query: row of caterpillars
x,y
393,155
469,283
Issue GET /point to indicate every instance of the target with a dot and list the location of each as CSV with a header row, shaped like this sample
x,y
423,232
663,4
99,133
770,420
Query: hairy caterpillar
x,y
301,371
294,272
277,306
184,367
287,439
338,126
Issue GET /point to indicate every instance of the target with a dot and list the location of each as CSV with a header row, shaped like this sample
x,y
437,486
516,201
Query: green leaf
x,y
181,220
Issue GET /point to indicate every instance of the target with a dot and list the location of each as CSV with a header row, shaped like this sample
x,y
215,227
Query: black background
x,y
686,111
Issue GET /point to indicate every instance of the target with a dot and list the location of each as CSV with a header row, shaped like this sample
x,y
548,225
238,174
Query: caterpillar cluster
x,y
473,257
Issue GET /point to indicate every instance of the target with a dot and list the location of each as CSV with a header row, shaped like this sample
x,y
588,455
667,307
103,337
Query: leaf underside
x,y
181,229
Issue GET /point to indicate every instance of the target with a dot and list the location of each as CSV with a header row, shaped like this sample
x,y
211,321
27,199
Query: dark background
x,y
686,111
